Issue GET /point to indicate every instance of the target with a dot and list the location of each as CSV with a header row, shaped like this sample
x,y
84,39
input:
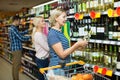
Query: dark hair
x,y
15,18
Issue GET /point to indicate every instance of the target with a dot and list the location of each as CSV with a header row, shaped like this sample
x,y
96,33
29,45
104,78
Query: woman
x,y
40,43
58,43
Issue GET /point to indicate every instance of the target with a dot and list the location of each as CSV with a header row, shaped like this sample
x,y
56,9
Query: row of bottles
x,y
85,6
99,54
104,28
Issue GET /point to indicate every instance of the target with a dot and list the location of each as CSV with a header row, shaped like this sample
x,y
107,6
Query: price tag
x,y
118,43
70,17
86,15
92,40
105,12
113,42
99,70
87,65
117,73
73,39
106,42
115,4
98,41
109,72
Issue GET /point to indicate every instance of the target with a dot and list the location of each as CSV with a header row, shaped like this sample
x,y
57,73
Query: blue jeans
x,y
42,64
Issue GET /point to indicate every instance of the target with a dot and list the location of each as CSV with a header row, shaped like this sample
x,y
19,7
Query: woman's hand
x,y
81,43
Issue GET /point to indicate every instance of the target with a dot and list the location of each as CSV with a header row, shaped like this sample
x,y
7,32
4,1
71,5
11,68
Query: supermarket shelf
x,y
7,51
4,33
85,15
6,58
25,68
100,41
92,66
29,61
30,75
28,48
6,42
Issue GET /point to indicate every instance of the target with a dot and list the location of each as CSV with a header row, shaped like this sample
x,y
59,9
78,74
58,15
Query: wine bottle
x,y
115,27
100,28
75,29
118,60
84,6
102,5
110,28
71,10
88,6
111,4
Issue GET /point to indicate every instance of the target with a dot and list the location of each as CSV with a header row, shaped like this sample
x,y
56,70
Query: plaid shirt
x,y
16,38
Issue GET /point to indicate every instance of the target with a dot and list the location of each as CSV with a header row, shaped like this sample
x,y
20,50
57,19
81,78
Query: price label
x,y
99,70
92,40
113,42
118,43
106,42
87,65
109,72
98,41
105,12
73,39
70,17
117,73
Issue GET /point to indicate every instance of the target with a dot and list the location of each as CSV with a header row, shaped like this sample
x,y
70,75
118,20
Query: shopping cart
x,y
71,72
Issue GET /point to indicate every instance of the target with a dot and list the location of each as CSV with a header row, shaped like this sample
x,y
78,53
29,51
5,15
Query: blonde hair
x,y
35,23
54,14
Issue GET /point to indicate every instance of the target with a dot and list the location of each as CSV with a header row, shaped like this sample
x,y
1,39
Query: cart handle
x,y
42,70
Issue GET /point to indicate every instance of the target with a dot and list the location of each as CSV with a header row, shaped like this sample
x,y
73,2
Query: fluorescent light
x,y
45,3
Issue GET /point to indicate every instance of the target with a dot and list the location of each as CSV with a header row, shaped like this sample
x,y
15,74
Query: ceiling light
x,y
45,3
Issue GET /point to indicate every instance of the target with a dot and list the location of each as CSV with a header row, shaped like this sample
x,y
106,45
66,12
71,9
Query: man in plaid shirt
x,y
16,39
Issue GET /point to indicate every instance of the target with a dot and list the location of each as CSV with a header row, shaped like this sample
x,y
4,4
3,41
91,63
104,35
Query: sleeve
x,y
18,35
24,32
53,39
42,42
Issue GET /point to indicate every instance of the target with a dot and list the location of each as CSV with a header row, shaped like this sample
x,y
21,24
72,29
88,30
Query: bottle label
x,y
84,7
95,4
115,35
102,2
118,65
110,1
71,11
87,4
118,36
80,8
110,35
91,4
106,1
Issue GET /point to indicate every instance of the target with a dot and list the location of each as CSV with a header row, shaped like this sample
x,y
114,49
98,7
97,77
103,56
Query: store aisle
x,y
6,70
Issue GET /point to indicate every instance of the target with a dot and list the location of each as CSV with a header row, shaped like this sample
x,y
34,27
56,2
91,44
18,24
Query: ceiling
x,y
16,5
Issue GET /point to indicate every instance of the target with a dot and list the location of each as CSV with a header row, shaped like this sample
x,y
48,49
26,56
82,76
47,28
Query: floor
x,y
6,70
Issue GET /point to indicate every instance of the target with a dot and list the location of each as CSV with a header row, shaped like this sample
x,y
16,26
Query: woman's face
x,y
41,22
61,19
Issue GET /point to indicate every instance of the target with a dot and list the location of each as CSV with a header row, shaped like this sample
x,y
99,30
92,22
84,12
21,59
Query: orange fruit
x,y
79,76
87,77
74,77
